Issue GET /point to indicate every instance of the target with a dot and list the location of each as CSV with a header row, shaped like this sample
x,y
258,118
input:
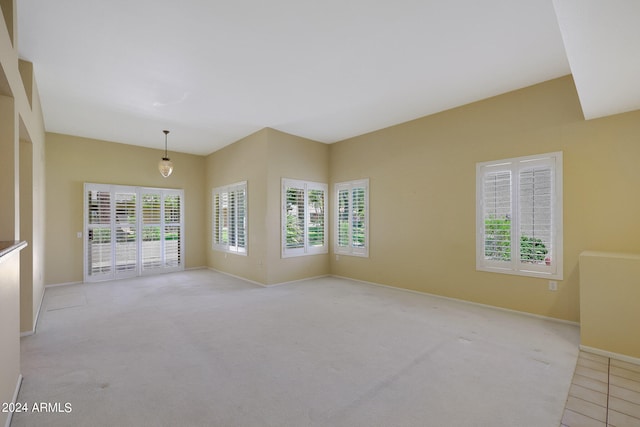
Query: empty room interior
x,y
320,213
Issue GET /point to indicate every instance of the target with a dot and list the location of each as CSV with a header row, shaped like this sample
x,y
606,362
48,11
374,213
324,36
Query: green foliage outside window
x,y
532,249
295,233
498,243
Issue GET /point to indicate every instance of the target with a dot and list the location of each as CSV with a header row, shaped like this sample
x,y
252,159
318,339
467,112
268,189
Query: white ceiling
x,y
213,71
602,39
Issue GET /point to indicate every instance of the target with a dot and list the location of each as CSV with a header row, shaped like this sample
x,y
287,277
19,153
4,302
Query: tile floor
x,y
604,392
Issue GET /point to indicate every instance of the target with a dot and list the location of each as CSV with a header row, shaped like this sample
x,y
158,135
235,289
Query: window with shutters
x,y
230,218
352,218
304,220
130,231
519,216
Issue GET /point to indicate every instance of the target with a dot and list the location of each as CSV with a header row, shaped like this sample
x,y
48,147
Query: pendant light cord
x,y
166,132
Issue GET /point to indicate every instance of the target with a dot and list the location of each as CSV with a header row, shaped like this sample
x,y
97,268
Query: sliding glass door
x,y
130,231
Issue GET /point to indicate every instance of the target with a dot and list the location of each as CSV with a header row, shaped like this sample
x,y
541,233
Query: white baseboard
x,y
297,281
62,284
35,321
14,400
610,354
237,277
508,310
270,285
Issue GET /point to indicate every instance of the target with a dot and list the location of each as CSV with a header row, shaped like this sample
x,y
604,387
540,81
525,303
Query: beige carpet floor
x,y
200,348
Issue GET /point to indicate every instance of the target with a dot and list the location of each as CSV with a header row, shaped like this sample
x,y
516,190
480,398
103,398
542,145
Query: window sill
x,y
525,273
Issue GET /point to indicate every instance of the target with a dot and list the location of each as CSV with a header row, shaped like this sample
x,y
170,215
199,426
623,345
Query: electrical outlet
x,y
553,285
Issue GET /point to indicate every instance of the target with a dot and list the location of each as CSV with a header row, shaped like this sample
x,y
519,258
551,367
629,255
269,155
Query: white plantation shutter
x,y
358,217
131,231
315,218
519,216
230,218
151,230
352,204
99,259
343,219
126,251
497,215
172,205
535,215
241,219
295,214
162,230
304,221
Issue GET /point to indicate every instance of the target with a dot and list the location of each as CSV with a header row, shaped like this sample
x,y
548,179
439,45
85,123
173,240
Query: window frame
x,y
351,249
306,248
241,223
554,268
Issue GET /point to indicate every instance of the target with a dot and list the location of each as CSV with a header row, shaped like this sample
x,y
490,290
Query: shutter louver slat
x,y
229,218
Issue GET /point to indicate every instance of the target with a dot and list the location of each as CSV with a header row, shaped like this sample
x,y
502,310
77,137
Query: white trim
x,y
514,167
610,354
262,285
306,187
296,281
241,186
55,285
253,282
162,224
350,250
14,400
508,310
202,267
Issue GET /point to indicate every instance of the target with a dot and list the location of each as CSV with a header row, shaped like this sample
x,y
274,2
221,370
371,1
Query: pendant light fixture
x,y
165,166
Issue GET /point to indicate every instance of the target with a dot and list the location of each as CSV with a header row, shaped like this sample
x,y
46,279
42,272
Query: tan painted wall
x,y
422,194
292,157
72,161
263,159
243,160
26,233
31,132
609,296
21,200
9,328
